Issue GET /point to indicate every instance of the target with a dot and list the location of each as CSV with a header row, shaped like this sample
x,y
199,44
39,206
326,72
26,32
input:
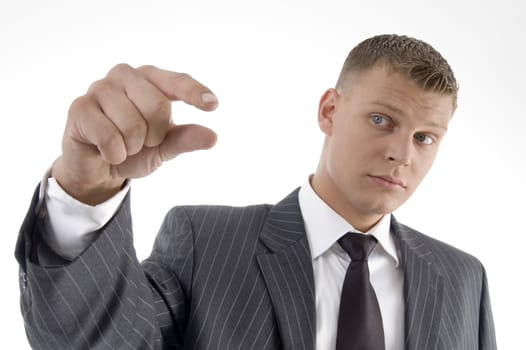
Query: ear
x,y
327,109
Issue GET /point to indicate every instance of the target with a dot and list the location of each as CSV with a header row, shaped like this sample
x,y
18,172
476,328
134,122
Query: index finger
x,y
180,86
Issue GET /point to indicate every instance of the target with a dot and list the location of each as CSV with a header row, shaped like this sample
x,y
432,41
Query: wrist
x,y
83,190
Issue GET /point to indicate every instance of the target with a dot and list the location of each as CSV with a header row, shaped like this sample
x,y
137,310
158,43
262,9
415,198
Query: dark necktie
x,y
359,321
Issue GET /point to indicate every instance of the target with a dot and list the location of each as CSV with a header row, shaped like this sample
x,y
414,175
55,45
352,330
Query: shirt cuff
x,y
71,225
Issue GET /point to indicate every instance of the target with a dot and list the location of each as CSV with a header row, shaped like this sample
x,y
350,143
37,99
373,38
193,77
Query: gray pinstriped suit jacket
x,y
231,278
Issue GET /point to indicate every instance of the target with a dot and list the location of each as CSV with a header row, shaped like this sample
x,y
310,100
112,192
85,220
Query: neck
x,y
360,220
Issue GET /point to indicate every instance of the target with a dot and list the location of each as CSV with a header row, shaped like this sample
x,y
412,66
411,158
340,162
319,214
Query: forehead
x,y
391,90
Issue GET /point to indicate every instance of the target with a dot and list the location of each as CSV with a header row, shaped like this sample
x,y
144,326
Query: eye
x,y
378,119
425,139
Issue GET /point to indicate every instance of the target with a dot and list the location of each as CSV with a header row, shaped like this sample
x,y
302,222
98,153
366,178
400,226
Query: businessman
x,y
328,267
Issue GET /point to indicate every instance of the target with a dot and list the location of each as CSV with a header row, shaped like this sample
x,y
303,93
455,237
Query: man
x,y
264,276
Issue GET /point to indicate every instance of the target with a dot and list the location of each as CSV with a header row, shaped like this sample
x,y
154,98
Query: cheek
x,y
341,147
346,160
355,151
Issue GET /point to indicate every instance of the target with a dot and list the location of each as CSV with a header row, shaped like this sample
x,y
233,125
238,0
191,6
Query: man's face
x,y
382,136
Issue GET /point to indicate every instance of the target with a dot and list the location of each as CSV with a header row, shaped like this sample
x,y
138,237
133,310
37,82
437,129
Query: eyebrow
x,y
396,110
388,106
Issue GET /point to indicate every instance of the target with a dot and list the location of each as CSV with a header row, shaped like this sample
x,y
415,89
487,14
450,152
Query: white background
x,y
269,62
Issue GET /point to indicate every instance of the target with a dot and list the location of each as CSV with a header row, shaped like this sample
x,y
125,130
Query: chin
x,y
382,208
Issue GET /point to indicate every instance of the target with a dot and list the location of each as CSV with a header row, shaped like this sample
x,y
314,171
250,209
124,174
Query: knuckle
x,y
78,106
99,86
145,68
184,75
120,70
78,103
177,77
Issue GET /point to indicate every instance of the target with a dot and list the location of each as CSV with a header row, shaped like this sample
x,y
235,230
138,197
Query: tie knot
x,y
358,245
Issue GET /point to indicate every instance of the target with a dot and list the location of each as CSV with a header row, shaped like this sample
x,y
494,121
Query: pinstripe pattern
x,y
230,278
447,305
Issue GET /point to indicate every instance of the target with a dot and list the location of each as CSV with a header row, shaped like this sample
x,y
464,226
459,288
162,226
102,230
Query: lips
x,y
389,180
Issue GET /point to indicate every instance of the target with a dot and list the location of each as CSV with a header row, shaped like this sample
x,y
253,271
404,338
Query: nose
x,y
400,151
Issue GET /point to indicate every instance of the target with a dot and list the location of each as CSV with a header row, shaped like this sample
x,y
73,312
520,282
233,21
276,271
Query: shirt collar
x,y
324,227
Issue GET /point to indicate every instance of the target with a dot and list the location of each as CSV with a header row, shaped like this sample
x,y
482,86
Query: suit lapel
x,y
423,290
288,274
287,270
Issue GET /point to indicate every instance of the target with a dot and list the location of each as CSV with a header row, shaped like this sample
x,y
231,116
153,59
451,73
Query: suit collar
x,y
288,274
423,289
324,226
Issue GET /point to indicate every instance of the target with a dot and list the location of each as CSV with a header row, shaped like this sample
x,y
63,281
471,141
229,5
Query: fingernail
x,y
208,98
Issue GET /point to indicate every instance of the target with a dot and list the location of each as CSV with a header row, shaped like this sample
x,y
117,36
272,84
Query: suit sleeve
x,y
104,299
487,338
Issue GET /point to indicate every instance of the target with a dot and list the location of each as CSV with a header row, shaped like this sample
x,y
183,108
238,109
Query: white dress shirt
x,y
323,227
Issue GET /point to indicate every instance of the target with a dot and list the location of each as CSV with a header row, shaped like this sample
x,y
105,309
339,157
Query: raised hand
x,y
122,128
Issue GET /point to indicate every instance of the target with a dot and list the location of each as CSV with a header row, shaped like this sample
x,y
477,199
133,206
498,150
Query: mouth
x,y
388,181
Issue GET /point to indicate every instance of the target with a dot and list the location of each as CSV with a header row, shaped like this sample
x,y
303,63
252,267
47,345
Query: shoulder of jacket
x,y
443,252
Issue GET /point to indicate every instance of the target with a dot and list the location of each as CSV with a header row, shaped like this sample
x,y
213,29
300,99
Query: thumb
x,y
186,138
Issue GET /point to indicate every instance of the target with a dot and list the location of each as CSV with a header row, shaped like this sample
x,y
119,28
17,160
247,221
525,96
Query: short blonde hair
x,y
415,59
